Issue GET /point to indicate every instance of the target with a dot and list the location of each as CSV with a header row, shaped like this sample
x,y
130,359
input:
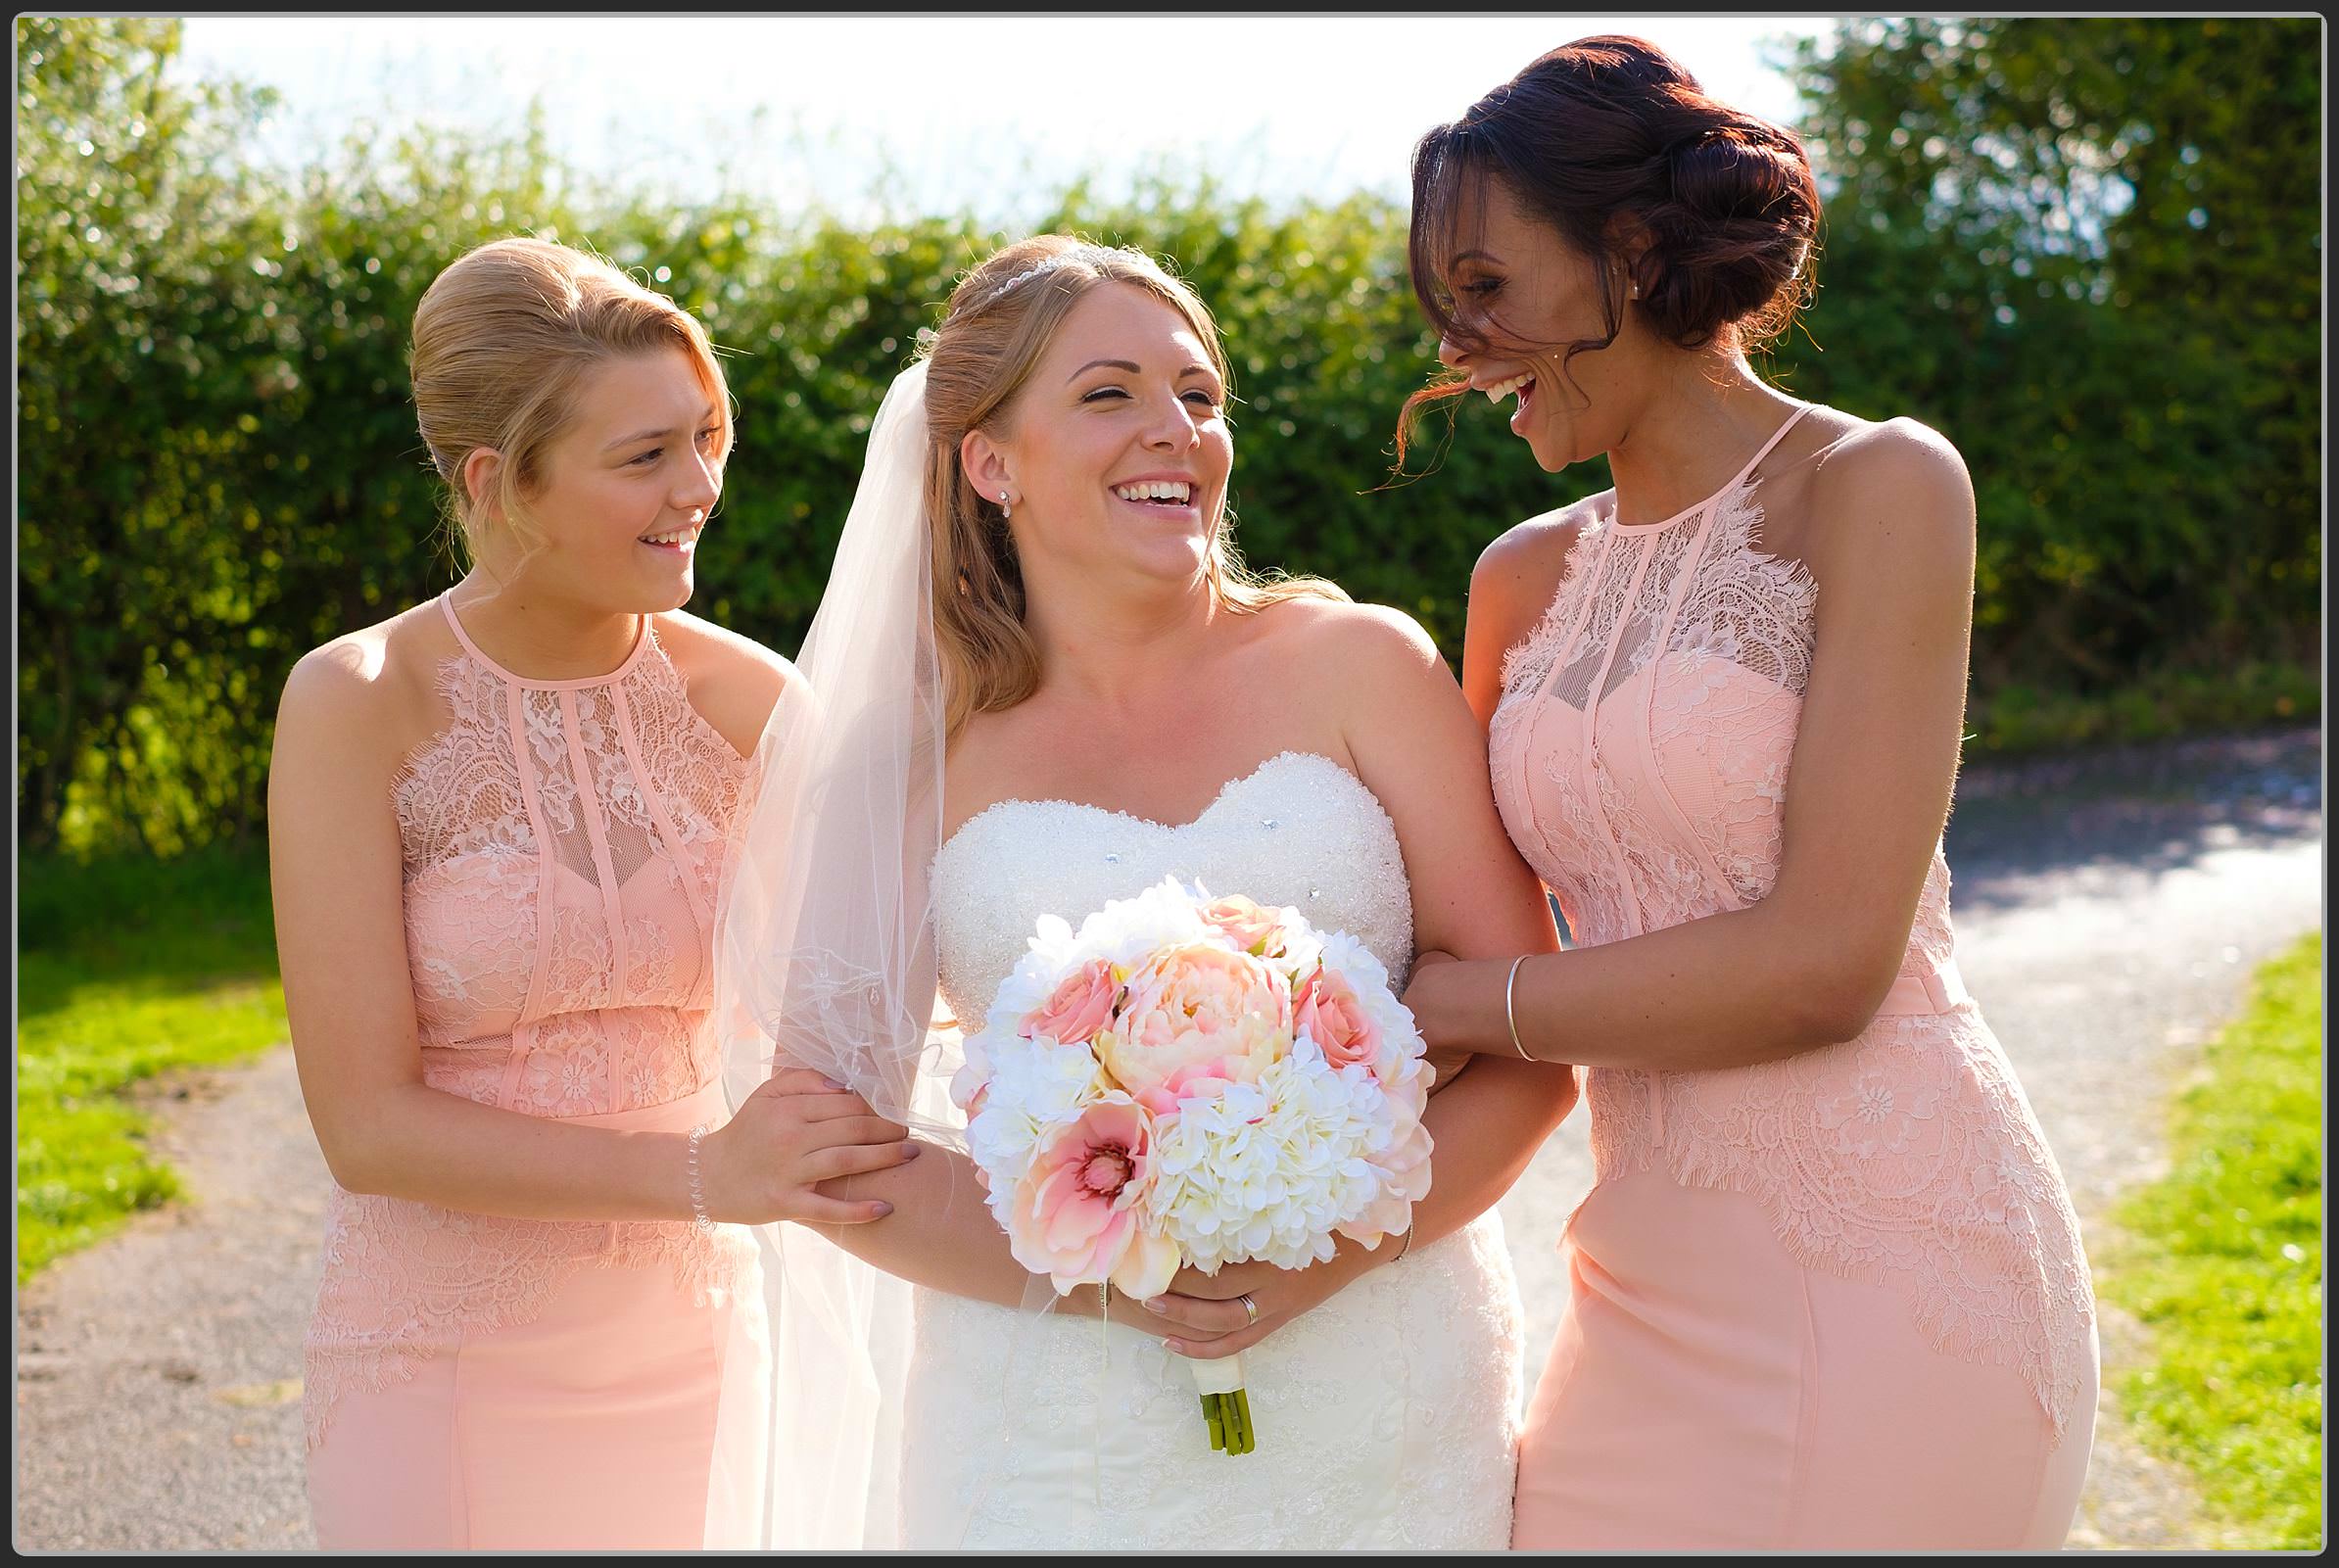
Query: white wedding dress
x,y
1386,1418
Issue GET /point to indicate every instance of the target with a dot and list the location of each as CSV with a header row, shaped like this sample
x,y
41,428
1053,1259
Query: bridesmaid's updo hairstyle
x,y
1608,139
995,329
502,340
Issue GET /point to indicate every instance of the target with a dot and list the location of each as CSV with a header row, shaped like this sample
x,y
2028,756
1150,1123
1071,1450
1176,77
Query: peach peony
x,y
1079,1207
1197,1006
1081,1006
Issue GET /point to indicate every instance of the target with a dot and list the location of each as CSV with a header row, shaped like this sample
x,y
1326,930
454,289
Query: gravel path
x,y
2108,910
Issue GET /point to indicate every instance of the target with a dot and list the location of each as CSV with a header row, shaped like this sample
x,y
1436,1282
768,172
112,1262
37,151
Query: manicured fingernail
x,y
832,1082
1174,1347
1155,1306
909,1151
883,1208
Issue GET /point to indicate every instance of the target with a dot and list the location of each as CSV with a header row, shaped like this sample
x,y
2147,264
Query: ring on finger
x,y
1250,1309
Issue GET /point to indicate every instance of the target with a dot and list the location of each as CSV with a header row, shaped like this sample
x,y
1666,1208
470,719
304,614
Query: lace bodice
x,y
1388,1415
1299,830
1640,754
562,841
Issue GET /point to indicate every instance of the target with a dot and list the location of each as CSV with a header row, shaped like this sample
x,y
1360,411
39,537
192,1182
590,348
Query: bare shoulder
x,y
1519,574
375,680
1526,561
1347,639
1891,494
734,681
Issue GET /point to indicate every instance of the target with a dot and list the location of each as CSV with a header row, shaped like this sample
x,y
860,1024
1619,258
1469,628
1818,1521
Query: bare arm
x,y
1423,752
336,876
1873,761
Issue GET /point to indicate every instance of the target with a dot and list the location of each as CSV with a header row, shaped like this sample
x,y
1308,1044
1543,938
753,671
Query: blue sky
x,y
990,113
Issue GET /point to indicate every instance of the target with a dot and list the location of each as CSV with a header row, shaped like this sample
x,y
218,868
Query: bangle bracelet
x,y
698,1214
1403,1245
1508,1016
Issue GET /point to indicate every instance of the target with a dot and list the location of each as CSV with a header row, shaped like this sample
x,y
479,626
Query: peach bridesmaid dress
x,y
1836,1302
476,1381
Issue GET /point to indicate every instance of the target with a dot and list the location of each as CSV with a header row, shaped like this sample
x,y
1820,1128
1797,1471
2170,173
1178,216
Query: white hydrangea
x,y
1032,1087
1271,1169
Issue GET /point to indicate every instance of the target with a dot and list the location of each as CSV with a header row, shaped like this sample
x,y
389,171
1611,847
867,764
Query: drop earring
x,y
1004,511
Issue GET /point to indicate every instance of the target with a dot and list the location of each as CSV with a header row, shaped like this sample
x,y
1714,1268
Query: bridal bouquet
x,y
1189,1079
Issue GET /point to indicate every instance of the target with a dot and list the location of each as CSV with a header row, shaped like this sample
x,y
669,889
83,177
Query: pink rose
x,y
1078,1214
1197,1006
1328,1011
1256,931
1081,1006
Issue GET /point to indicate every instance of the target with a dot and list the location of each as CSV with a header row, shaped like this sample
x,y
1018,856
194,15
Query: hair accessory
x,y
1040,268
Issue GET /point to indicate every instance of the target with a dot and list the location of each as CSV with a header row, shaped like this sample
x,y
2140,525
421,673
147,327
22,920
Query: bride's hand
x,y
1202,1316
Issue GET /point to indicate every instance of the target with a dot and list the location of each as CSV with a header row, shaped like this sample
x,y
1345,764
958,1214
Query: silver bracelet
x,y
698,1214
1403,1245
1508,1017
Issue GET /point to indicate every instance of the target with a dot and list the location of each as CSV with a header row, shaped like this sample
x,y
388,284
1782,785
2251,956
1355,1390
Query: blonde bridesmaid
x,y
496,829
1829,1290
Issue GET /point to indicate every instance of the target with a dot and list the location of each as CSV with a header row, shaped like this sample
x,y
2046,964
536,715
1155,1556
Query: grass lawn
x,y
2222,1260
125,969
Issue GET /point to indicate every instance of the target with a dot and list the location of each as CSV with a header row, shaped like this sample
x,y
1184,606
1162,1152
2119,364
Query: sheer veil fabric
x,y
825,958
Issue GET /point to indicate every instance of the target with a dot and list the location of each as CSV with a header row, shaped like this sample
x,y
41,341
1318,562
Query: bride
x,y
1041,680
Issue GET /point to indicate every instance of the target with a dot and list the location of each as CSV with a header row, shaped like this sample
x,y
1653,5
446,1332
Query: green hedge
x,y
219,467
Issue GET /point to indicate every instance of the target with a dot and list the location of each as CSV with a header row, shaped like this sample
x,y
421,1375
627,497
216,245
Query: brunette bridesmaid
x,y
1829,1290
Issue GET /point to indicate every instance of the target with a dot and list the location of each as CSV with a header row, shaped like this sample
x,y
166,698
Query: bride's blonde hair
x,y
998,325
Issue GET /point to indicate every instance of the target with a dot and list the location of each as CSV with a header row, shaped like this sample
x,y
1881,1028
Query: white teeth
x,y
1504,389
1175,490
682,538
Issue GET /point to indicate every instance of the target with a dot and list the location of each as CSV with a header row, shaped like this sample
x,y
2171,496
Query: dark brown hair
x,y
1607,140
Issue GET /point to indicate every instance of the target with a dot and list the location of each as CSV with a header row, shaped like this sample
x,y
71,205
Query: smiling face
x,y
1115,451
622,494
1522,294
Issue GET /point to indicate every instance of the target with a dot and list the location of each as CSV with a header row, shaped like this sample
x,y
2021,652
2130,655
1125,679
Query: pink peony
x,y
1256,931
1078,1214
1327,1011
1081,1006
1197,1006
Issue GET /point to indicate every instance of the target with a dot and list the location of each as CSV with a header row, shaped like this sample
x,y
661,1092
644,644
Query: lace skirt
x,y
1387,1419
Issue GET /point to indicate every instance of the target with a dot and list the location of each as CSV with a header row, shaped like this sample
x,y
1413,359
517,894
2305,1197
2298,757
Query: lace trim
x,y
1908,1157
404,1281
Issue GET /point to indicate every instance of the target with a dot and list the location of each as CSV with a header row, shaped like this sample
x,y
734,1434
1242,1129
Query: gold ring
x,y
1250,1309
